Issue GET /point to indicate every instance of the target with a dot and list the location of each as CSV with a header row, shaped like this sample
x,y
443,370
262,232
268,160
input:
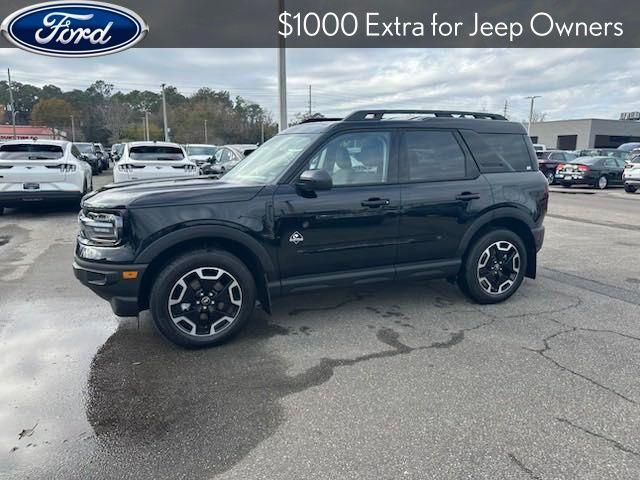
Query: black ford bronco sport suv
x,y
379,196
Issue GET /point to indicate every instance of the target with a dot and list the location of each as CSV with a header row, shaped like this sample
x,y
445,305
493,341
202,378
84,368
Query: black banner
x,y
382,23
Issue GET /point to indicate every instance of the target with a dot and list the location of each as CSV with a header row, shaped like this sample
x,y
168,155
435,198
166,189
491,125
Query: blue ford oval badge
x,y
74,29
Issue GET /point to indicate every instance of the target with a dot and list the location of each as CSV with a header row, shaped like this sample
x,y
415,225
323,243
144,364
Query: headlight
x,y
100,228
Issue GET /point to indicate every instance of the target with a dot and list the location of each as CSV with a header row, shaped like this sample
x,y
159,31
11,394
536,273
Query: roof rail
x,y
379,114
321,119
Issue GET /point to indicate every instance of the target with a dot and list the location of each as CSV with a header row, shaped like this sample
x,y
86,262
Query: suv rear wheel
x,y
494,267
203,298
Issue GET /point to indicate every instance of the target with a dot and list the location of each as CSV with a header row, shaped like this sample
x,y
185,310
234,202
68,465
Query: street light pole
x,y
282,75
73,129
13,105
206,139
532,98
146,125
164,115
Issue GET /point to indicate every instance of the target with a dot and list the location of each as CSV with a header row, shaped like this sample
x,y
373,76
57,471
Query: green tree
x,y
53,112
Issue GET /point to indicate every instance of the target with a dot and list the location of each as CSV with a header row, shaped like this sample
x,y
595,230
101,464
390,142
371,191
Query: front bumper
x,y
108,282
19,197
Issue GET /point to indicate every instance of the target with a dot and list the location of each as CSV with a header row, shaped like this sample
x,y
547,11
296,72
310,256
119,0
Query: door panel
x,y
435,216
345,228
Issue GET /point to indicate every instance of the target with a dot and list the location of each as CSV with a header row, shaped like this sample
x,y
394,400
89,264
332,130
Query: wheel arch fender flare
x,y
505,213
208,232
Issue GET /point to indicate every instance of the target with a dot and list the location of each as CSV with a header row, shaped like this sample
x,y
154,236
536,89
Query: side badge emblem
x,y
296,238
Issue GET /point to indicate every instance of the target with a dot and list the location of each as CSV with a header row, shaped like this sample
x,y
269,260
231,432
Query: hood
x,y
168,191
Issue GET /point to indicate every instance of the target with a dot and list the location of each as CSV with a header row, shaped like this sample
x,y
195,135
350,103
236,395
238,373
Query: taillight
x,y
67,168
583,168
560,166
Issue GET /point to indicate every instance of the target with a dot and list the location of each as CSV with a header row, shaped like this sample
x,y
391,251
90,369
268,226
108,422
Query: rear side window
x,y
30,151
431,156
499,152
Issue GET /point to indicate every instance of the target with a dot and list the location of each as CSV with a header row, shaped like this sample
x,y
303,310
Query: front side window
x,y
357,158
432,156
156,152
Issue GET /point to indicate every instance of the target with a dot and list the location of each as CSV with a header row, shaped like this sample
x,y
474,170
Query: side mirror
x,y
314,181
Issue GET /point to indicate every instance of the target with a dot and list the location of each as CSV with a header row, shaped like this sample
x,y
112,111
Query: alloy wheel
x,y
550,178
205,301
602,182
498,267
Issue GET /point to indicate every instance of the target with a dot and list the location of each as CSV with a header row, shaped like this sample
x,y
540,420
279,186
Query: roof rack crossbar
x,y
361,115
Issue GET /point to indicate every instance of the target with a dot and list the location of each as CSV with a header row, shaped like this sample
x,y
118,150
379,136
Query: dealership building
x,y
585,133
26,132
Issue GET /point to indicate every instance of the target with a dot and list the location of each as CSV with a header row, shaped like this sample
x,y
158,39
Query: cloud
x,y
574,83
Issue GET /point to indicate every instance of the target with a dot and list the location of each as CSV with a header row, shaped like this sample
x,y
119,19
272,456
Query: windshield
x,y
85,147
209,151
30,151
269,162
153,152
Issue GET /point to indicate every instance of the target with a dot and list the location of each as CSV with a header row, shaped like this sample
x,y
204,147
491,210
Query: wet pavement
x,y
387,382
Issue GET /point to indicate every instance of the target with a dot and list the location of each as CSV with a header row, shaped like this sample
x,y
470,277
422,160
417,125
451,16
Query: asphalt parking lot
x,y
393,381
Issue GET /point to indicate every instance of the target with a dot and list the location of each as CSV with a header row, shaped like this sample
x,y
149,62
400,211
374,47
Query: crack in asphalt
x,y
547,348
518,463
614,443
355,298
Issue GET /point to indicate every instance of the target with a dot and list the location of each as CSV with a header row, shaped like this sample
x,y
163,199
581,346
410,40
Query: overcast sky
x,y
573,83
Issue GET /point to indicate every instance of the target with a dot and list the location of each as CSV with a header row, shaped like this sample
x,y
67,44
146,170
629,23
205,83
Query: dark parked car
x,y
604,152
103,156
89,155
599,172
227,157
550,159
379,196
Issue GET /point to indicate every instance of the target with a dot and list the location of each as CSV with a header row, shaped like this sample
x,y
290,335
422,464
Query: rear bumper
x,y
107,282
21,197
632,181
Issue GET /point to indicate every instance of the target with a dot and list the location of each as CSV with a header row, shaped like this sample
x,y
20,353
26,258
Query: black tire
x,y
168,279
1,211
468,278
605,182
630,188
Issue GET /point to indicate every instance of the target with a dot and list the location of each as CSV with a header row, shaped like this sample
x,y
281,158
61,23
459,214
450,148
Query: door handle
x,y
467,196
375,202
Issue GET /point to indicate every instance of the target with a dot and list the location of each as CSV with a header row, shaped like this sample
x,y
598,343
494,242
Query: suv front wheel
x,y
494,267
203,298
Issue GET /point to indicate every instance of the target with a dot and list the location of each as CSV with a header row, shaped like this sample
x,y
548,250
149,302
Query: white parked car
x,y
201,153
631,176
41,170
148,160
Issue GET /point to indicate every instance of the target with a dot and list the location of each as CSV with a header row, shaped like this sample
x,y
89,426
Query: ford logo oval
x,y
74,29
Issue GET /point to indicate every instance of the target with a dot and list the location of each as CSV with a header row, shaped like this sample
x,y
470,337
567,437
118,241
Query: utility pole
x,y
506,107
13,105
261,132
309,100
73,129
206,138
532,98
146,125
164,115
282,75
